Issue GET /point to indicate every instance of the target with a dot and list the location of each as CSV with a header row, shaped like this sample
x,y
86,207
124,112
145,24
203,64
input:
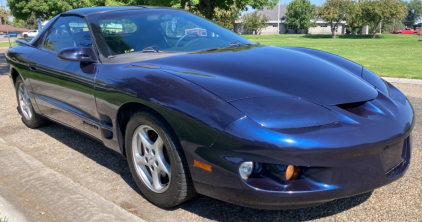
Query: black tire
x,y
25,35
35,120
180,187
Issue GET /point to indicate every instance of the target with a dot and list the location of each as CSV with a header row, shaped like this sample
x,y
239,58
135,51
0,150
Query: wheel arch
x,y
14,73
124,113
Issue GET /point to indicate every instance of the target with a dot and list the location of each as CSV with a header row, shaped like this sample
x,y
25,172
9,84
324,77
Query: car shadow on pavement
x,y
93,149
221,211
201,205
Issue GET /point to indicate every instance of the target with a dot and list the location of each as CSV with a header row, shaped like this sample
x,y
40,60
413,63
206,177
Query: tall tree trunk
x,y
374,34
333,32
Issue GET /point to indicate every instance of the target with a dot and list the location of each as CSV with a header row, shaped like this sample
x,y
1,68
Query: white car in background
x,y
30,33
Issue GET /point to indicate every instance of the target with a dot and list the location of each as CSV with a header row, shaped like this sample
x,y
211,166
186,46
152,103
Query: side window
x,y
68,31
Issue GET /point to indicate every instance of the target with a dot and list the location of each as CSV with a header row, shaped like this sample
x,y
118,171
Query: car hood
x,y
260,71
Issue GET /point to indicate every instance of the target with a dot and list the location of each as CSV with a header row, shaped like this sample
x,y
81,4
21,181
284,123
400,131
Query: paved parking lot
x,y
105,173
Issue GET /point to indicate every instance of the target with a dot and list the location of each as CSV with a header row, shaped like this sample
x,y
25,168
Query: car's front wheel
x,y
156,160
29,117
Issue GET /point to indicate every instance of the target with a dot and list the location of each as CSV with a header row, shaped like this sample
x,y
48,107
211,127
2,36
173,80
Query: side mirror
x,y
79,54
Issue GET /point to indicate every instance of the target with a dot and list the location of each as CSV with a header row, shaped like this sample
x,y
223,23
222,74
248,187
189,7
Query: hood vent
x,y
355,108
347,106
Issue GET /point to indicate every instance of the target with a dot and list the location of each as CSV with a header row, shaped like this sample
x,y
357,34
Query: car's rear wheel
x,y
29,117
156,160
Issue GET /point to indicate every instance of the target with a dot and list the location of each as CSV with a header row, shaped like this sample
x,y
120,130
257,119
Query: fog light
x,y
292,172
245,169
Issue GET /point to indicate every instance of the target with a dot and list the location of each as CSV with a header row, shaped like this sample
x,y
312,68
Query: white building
x,y
322,27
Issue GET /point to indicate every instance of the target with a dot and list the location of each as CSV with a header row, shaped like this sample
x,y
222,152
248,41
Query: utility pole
x,y
278,19
420,29
39,24
7,30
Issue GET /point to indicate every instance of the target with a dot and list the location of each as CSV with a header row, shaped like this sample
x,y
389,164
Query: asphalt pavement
x,y
55,174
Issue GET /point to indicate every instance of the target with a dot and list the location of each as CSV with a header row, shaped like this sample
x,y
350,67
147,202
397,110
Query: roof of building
x,y
9,28
273,14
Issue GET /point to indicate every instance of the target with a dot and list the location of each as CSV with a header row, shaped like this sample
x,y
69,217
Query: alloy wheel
x,y
151,159
24,102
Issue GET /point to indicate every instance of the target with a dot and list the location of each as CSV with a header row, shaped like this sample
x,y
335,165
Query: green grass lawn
x,y
6,44
387,55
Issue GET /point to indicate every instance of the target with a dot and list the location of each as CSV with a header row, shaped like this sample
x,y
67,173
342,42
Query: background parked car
x,y
30,33
407,31
3,35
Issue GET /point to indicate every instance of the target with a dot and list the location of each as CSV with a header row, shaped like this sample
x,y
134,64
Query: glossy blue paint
x,y
347,129
285,112
233,74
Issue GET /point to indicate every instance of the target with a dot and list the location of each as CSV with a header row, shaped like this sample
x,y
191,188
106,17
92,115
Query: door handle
x,y
32,66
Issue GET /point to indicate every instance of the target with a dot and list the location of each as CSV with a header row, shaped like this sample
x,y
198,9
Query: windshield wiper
x,y
153,48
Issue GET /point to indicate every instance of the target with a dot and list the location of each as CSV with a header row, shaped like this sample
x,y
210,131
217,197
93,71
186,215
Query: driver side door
x,y
64,90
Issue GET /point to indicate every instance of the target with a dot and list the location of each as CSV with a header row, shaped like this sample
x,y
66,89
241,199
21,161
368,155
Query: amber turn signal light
x,y
202,165
292,172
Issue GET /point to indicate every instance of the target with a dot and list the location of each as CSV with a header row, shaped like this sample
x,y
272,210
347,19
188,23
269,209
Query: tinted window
x,y
68,31
121,32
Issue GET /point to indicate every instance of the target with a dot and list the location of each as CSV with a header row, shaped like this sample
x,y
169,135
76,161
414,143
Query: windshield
x,y
121,32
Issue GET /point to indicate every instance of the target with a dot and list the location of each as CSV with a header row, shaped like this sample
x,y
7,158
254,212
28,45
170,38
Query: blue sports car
x,y
196,108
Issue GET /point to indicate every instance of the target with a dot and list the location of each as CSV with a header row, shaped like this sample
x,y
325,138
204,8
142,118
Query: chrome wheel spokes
x,y
150,157
24,102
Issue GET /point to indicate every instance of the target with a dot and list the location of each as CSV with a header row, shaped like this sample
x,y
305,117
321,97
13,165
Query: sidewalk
x,y
403,80
42,194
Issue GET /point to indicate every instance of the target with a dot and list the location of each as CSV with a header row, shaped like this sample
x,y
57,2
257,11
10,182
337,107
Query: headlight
x,y
285,112
245,169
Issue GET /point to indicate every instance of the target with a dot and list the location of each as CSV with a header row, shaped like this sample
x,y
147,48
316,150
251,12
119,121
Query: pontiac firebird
x,y
196,108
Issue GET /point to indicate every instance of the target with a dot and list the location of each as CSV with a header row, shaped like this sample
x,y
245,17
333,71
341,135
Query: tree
x,y
44,9
227,18
4,15
333,12
299,14
414,12
376,11
207,7
31,22
254,22
17,22
353,16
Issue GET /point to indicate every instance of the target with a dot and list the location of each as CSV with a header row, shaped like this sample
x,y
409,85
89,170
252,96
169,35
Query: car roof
x,y
93,10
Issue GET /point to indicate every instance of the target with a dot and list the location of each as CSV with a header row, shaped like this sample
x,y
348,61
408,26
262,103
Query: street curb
x,y
47,195
403,80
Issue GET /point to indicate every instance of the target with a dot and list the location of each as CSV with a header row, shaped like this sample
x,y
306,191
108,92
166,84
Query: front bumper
x,y
362,152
